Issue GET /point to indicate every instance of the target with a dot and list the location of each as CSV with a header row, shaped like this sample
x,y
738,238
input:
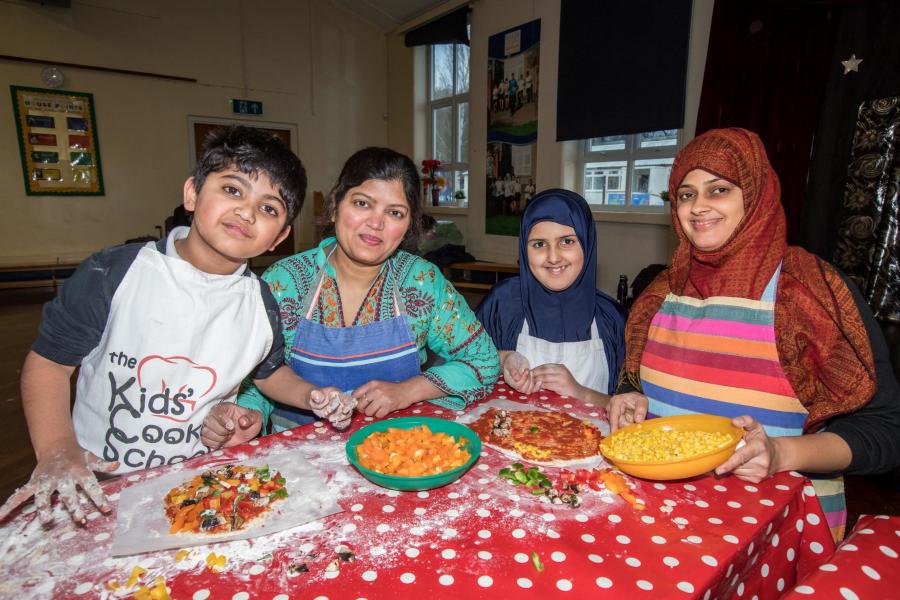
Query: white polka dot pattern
x,y
484,534
857,571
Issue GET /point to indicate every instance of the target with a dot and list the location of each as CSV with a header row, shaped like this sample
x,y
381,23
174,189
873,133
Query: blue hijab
x,y
564,316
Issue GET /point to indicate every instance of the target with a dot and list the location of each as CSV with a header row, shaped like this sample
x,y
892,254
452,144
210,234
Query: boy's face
x,y
236,216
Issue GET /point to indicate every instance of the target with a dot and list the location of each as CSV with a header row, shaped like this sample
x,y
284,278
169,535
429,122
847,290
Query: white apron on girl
x,y
585,360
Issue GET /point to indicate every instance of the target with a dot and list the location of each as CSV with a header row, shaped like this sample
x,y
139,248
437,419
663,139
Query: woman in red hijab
x,y
745,326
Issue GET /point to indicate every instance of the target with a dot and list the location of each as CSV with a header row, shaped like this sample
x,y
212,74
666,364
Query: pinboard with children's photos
x,y
58,142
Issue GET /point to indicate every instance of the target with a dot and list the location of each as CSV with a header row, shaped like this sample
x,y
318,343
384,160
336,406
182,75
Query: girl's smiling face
x,y
709,209
555,256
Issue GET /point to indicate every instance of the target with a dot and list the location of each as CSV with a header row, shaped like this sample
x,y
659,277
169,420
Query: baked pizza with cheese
x,y
223,499
538,436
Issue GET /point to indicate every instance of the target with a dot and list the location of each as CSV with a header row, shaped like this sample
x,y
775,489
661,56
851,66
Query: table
x,y
865,565
704,538
464,282
35,275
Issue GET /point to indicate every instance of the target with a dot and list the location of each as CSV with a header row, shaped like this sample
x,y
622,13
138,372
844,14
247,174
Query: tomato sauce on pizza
x,y
223,499
541,436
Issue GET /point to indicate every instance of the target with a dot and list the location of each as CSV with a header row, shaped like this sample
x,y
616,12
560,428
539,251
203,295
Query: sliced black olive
x,y
298,568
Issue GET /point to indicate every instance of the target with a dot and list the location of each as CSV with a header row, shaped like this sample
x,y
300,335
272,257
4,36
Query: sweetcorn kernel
x,y
661,445
216,561
135,576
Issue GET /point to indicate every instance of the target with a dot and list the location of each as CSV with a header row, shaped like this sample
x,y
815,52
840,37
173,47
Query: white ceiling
x,y
389,14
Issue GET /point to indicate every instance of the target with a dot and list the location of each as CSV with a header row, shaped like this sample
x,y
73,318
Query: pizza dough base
x,y
569,462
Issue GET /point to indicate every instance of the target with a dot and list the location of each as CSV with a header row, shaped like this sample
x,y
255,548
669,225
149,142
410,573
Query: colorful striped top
x,y
719,356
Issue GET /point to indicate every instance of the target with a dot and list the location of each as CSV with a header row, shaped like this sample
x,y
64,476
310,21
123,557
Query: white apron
x,y
176,342
585,360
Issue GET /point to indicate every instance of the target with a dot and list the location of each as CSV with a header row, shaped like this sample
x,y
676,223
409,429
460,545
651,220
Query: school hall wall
x,y
624,244
311,63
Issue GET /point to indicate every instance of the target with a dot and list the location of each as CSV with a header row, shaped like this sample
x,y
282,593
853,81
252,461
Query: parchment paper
x,y
142,524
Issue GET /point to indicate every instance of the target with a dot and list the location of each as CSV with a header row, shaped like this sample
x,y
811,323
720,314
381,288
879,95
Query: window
x,y
619,167
448,116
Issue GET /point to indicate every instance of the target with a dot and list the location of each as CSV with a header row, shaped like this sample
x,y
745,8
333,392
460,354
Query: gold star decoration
x,y
851,64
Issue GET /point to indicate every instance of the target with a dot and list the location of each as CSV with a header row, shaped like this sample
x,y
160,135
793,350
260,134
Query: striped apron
x,y
347,357
718,356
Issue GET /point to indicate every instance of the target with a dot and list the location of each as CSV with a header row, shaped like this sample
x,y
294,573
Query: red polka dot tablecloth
x,y
864,567
480,537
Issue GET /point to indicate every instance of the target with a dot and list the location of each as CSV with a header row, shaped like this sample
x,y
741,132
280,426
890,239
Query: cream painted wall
x,y
311,63
623,247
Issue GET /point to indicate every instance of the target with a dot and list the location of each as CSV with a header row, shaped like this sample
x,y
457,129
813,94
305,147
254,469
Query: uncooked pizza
x,y
223,499
543,437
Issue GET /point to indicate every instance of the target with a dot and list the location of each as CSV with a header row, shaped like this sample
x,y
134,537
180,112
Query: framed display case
x,y
57,133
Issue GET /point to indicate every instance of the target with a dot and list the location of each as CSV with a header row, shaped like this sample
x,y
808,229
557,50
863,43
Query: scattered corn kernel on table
x,y
480,537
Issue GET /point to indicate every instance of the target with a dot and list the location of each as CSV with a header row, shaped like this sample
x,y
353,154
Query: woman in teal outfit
x,y
359,313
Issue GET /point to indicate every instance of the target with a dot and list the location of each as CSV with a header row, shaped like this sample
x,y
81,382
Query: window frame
x,y
630,154
448,170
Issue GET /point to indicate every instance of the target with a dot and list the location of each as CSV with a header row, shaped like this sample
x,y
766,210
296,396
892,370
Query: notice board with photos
x,y
57,133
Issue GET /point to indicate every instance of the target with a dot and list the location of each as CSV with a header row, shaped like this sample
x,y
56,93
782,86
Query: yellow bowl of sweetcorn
x,y
675,447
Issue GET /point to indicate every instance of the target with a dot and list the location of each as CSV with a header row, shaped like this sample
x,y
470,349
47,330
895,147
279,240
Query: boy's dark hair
x,y
251,150
383,164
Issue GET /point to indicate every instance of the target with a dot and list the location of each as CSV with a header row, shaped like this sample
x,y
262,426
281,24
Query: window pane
x,y
606,143
441,71
462,134
604,182
461,188
651,177
462,68
442,133
664,137
445,180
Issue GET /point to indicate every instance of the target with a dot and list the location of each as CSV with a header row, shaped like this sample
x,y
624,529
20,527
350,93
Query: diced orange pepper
x,y
617,485
411,452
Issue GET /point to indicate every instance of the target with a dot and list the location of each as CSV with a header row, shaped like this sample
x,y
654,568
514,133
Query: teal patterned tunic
x,y
438,315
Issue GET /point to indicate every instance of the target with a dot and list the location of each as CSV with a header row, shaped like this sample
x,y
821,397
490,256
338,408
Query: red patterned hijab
x,y
744,264
822,343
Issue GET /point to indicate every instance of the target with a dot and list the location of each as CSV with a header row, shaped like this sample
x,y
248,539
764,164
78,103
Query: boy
x,y
163,331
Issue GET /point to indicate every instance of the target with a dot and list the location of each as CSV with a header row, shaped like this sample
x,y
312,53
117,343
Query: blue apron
x,y
348,357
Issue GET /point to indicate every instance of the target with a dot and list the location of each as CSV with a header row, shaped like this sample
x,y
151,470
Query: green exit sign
x,y
246,107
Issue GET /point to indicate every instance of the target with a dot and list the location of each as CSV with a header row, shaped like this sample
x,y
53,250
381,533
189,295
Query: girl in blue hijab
x,y
553,328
